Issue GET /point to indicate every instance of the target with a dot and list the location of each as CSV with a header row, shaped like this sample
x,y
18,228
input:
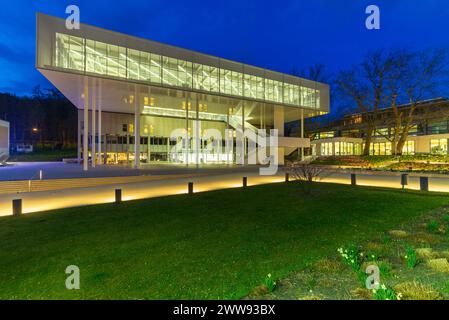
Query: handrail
x,y
41,176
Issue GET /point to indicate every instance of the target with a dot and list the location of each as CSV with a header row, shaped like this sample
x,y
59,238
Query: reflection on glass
x,y
96,57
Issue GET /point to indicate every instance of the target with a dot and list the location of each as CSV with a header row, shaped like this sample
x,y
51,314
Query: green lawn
x,y
43,156
217,244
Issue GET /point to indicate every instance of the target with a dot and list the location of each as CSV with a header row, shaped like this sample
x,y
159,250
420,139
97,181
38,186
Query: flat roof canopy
x,y
116,96
83,60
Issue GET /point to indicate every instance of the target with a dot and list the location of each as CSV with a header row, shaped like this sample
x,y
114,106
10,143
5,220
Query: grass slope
x,y
217,244
43,156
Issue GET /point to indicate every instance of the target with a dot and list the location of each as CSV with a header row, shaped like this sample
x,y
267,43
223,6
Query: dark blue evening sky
x,y
278,35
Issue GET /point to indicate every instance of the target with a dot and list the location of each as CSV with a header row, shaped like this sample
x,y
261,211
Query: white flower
x,y
269,275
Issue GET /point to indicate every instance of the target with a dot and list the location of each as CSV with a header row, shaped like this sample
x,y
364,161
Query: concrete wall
x,y
4,137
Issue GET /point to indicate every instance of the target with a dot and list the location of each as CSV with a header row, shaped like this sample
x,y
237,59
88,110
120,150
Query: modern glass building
x,y
132,94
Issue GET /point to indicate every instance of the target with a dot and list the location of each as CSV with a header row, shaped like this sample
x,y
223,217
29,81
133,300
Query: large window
x,y
409,147
380,149
438,146
69,52
106,59
327,149
438,127
344,148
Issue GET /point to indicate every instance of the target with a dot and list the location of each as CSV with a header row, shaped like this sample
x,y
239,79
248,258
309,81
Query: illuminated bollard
x,y
424,183
404,180
287,177
245,182
17,207
190,188
118,196
353,179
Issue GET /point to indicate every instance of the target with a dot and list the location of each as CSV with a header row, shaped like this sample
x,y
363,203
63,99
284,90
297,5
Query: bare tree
x,y
365,84
305,171
416,77
316,72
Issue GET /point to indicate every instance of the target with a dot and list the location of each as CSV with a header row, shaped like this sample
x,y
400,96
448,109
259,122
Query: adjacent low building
x,y
4,139
429,133
132,94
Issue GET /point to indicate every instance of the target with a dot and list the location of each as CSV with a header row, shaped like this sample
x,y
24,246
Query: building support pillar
x,y
197,133
86,125
279,125
136,129
302,133
243,135
187,137
100,156
94,124
79,146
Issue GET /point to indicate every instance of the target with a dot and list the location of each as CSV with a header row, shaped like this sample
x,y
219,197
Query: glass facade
x,y
438,146
95,57
190,115
380,149
409,148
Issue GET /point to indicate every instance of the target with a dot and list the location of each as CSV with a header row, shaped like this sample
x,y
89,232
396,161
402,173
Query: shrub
x,y
270,283
305,172
351,256
411,258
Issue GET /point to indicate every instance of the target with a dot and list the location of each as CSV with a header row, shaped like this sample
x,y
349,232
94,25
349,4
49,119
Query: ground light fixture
x,y
118,196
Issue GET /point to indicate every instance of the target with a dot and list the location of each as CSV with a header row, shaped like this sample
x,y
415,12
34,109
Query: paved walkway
x,y
60,170
48,200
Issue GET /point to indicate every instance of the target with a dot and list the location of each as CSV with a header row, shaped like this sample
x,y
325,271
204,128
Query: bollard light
x,y
353,179
404,180
118,196
17,207
190,187
245,182
287,177
424,183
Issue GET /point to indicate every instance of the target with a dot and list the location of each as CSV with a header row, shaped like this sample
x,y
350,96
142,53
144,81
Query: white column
x,y
187,140
136,129
243,134
78,136
94,120
100,155
302,133
86,125
279,125
197,133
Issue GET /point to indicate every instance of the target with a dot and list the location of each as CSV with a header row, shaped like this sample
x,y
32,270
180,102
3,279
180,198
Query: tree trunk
x,y
402,140
368,138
